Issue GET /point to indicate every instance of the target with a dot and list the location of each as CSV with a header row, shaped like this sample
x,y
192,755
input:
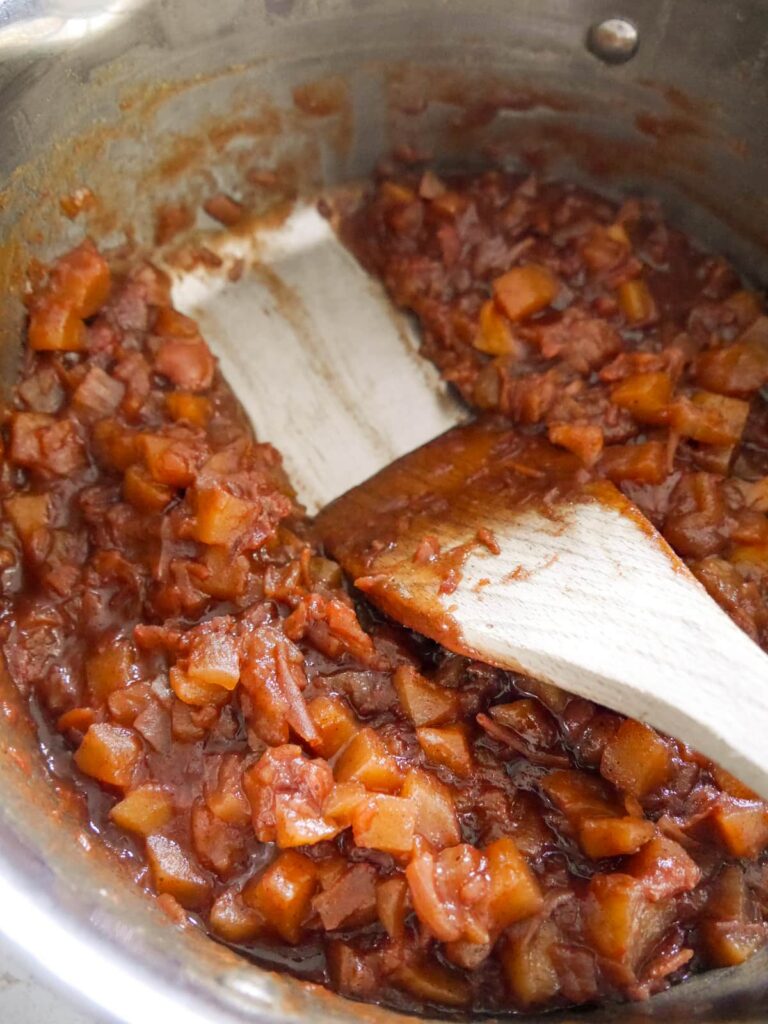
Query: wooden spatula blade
x,y
326,369
556,577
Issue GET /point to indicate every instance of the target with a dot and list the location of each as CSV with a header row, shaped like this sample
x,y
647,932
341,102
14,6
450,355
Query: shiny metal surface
x,y
29,996
614,40
145,99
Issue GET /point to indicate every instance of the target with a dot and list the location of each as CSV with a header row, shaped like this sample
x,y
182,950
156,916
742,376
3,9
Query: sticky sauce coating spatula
x,y
561,580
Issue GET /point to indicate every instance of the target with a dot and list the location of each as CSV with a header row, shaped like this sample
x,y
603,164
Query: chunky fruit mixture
x,y
605,330
316,786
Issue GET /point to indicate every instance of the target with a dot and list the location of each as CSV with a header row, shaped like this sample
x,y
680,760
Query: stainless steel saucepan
x,y
151,102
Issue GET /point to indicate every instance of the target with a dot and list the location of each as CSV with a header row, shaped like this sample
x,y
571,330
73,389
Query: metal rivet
x,y
614,40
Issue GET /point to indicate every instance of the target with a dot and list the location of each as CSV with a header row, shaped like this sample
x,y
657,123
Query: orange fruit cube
x,y
636,759
448,746
523,291
144,810
335,723
174,873
365,759
423,701
283,894
385,823
109,753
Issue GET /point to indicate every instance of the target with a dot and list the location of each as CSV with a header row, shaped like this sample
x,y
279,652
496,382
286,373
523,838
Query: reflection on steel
x,y
64,22
614,40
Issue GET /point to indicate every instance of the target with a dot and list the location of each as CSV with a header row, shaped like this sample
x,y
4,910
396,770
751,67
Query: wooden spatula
x,y
329,372
325,367
499,548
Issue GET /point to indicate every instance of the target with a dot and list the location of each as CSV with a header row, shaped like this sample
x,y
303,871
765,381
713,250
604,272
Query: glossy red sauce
x,y
315,786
